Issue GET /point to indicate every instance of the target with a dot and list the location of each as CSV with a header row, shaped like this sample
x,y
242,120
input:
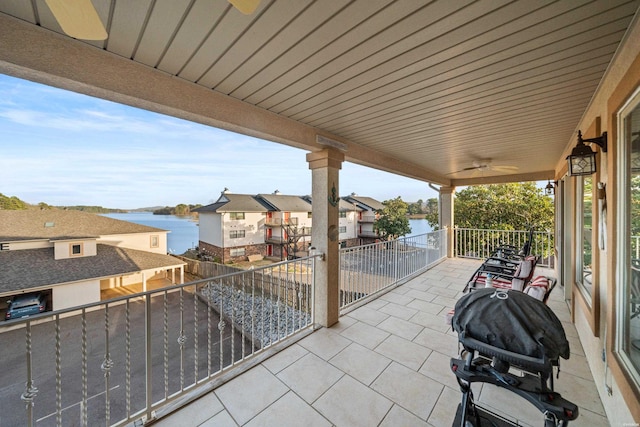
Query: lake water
x,y
419,226
184,230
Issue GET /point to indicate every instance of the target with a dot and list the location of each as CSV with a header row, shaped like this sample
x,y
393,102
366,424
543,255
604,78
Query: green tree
x,y
181,209
513,206
415,208
12,203
431,213
392,221
635,205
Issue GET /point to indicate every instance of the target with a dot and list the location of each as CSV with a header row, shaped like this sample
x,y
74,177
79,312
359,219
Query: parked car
x,y
26,305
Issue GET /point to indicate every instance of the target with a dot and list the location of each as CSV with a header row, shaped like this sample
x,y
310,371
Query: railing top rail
x,y
502,230
144,294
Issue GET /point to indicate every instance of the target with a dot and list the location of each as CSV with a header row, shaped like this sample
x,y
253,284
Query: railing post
x,y
31,390
396,274
148,354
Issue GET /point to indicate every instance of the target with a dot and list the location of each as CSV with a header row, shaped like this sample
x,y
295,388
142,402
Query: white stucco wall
x,y
32,244
62,248
74,294
351,222
252,224
140,241
210,228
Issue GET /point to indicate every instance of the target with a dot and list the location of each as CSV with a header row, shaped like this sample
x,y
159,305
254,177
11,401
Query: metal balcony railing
x,y
277,222
369,269
481,243
119,361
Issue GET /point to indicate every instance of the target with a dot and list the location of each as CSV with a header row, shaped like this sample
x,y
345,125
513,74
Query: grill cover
x,y
512,321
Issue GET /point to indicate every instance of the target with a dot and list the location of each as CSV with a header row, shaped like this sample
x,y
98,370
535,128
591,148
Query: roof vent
x,y
225,191
49,224
277,192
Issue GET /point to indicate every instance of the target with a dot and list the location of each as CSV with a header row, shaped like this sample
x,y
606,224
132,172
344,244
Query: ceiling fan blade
x,y
78,19
246,7
506,169
463,170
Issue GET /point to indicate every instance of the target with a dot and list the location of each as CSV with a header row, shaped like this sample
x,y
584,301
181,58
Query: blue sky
x,y
64,148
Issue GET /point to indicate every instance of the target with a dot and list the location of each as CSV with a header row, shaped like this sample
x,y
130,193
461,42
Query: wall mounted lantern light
x,y
582,160
550,189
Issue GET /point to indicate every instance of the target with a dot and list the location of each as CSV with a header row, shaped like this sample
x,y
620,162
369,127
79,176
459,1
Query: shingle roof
x,y
284,203
234,203
366,202
33,268
56,223
348,206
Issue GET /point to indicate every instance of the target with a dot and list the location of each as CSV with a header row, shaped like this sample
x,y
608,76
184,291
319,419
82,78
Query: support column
x,y
447,217
144,282
325,171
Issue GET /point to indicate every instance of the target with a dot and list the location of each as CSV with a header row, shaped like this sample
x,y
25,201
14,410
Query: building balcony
x,y
384,363
368,234
279,222
366,220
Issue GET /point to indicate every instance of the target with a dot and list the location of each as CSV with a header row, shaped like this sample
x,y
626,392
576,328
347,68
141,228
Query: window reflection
x,y
587,233
631,293
584,231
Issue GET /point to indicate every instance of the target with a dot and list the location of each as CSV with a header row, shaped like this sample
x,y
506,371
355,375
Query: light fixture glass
x,y
582,160
550,189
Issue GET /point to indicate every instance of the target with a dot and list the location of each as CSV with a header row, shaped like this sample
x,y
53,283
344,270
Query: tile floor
x,y
384,364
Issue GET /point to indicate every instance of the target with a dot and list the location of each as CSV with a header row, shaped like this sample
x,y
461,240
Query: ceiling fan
x,y
484,165
79,18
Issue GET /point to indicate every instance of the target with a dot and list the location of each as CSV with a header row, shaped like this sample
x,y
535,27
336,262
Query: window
x,y
627,292
584,233
237,252
236,234
75,249
342,214
236,215
155,241
342,229
308,214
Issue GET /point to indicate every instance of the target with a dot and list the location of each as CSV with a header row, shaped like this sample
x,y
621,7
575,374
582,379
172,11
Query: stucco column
x,y
325,171
447,217
144,282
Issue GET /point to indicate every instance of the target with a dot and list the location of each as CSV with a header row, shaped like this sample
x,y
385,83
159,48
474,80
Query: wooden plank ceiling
x,y
445,85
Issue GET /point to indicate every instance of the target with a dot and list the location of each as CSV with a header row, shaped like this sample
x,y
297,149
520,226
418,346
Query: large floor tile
x,y
197,412
438,341
398,416
438,367
368,315
325,343
250,393
351,403
284,358
445,409
289,411
412,391
399,311
403,351
310,376
365,334
402,328
361,363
